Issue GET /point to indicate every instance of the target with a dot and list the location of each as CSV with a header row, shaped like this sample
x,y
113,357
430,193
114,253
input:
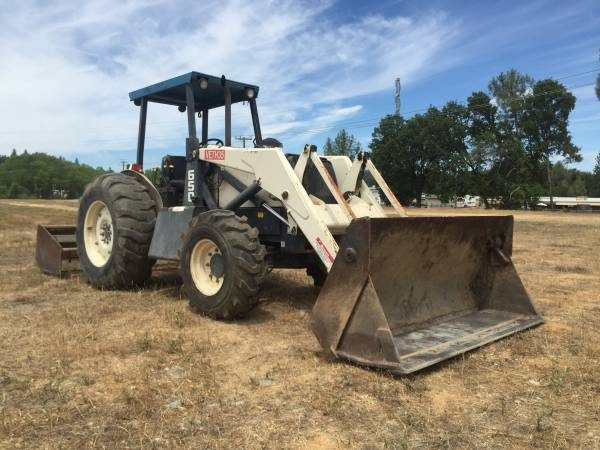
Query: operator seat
x,y
173,180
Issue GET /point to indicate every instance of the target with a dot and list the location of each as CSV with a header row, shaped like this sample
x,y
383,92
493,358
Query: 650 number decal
x,y
191,185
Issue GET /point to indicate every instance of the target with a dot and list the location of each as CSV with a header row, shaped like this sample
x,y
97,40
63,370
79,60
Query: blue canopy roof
x,y
172,91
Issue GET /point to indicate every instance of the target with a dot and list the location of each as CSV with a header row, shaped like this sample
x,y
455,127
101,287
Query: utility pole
x,y
244,139
398,87
123,162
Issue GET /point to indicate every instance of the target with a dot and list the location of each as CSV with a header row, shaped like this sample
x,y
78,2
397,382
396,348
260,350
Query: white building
x,y
580,202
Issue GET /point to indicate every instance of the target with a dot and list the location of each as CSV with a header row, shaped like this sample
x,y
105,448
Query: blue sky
x,y
66,68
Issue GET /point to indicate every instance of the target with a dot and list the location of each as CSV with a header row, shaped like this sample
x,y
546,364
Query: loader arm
x,y
276,176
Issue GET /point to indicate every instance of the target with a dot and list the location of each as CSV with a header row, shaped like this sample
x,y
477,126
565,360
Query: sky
x,y
66,67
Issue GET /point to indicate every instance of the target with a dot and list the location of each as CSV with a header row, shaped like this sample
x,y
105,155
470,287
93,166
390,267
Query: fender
x,y
146,182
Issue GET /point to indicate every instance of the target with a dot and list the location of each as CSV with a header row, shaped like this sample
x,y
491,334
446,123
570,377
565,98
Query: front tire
x,y
115,223
222,264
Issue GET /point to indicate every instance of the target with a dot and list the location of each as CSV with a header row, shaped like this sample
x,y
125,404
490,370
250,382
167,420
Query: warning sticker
x,y
214,154
323,250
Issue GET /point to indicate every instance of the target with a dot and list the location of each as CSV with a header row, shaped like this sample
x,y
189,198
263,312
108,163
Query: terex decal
x,y
214,154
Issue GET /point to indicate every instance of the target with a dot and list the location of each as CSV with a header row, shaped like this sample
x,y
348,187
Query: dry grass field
x,y
80,368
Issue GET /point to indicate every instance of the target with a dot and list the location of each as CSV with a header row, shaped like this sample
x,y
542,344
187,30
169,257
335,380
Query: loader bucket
x,y
55,245
406,293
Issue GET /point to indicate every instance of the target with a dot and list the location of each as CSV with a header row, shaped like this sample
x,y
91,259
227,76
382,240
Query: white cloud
x,y
66,67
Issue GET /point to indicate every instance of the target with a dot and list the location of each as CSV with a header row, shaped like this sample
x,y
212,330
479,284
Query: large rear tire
x,y
317,273
222,264
114,229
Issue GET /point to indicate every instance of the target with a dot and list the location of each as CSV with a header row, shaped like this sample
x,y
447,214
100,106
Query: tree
x,y
482,143
509,89
422,154
388,145
13,153
449,130
16,191
500,148
154,175
593,180
545,125
568,182
344,143
38,175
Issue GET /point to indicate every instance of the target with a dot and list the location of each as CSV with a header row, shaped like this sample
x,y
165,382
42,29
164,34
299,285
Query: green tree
x,y
422,154
344,143
545,125
509,89
38,175
449,129
482,140
568,182
16,191
154,175
390,150
498,148
593,180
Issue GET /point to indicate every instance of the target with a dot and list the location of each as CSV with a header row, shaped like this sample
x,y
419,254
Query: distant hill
x,y
39,175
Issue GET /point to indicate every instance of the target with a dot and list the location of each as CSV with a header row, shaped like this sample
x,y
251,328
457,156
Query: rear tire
x,y
115,223
222,264
317,274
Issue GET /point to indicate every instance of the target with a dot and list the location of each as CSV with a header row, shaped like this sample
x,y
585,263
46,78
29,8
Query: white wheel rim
x,y
98,233
200,267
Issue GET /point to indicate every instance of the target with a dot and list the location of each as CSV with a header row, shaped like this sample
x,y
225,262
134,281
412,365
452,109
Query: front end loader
x,y
396,292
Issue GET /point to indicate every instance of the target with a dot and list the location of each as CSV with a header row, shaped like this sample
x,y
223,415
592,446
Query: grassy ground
x,y
83,368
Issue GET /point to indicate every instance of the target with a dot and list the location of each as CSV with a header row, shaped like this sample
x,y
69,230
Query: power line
x,y
362,123
355,124
244,139
171,123
375,120
577,74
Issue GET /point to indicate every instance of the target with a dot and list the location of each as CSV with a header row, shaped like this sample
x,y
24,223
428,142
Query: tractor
x,y
396,292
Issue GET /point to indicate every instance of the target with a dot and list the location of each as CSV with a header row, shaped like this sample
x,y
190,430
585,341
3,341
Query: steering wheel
x,y
267,142
218,142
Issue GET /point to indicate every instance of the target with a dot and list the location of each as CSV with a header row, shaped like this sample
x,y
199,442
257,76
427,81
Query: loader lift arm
x,y
277,177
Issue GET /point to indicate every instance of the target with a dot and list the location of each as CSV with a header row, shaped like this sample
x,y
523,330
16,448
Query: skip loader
x,y
397,292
